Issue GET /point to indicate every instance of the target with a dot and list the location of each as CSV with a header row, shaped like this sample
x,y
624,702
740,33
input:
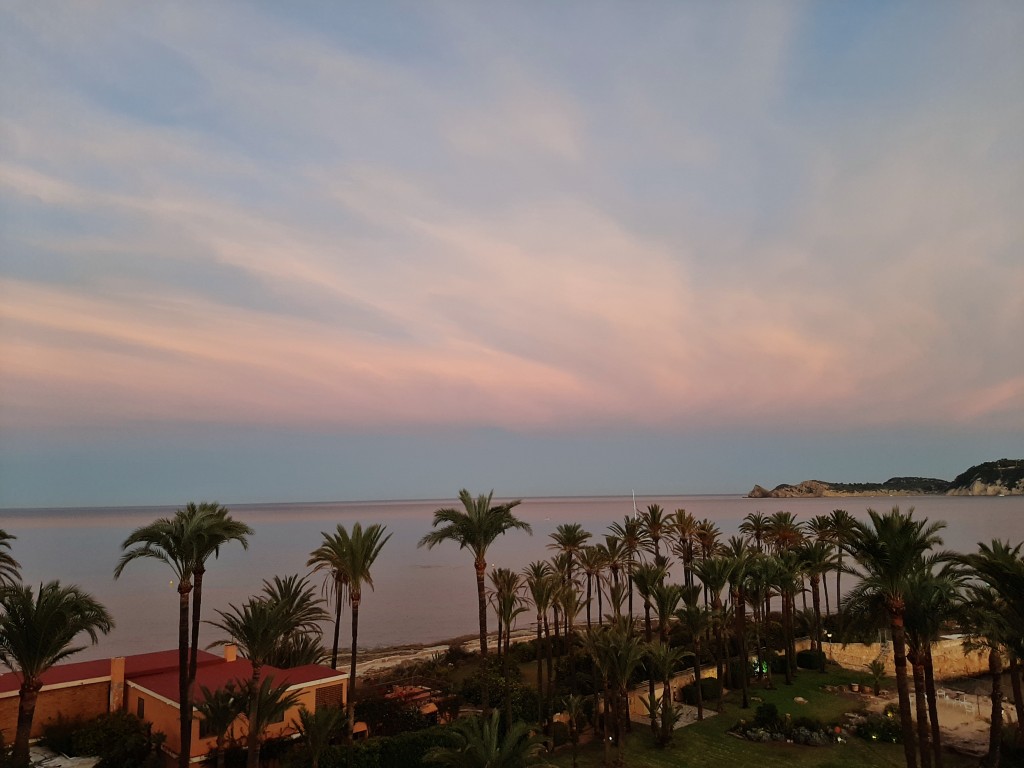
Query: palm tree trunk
x,y
480,565
355,596
816,603
540,672
606,715
253,738
221,757
337,628
27,697
184,689
899,647
828,608
917,667
197,601
933,709
787,630
741,632
589,587
995,731
1018,700
696,678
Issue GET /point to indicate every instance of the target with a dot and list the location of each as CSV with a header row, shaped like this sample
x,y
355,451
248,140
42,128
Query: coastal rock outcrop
x,y
1004,477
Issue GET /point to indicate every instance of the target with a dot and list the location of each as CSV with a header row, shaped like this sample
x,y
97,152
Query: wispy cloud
x,y
665,231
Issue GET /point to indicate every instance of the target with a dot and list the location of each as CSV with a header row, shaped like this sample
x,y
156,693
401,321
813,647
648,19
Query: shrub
x,y
809,659
119,739
884,727
766,716
709,687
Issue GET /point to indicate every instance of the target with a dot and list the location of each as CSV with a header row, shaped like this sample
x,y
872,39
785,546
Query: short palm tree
x,y
268,703
219,710
483,744
37,630
316,729
301,613
757,527
475,527
257,628
888,549
8,565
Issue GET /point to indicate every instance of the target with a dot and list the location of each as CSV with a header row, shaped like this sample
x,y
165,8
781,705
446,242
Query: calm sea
x,y
420,595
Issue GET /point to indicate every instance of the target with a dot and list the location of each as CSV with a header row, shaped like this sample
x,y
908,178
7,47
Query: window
x,y
140,708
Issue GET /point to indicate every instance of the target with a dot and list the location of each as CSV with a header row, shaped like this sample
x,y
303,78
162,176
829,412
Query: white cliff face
x,y
978,488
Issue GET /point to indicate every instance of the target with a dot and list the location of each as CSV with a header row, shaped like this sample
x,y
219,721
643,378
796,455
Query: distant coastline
x,y
1004,477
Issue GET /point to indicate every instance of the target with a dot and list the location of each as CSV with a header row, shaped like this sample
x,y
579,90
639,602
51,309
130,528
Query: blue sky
x,y
344,251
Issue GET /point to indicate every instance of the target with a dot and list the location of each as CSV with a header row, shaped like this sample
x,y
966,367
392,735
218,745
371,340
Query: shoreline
x,y
386,658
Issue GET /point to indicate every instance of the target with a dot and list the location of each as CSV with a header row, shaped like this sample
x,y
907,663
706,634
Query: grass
x,y
709,745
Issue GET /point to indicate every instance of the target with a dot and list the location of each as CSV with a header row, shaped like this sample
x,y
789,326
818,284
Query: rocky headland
x,y
1004,477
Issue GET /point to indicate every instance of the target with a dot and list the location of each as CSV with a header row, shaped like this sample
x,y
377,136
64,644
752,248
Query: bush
x,y
710,690
809,659
766,716
777,663
884,727
406,750
119,739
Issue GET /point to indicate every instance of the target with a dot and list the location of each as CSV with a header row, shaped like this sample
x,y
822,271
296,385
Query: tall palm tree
x,y
633,535
739,558
757,527
219,709
185,543
616,652
483,744
8,565
999,569
591,563
475,527
784,532
714,573
683,533
361,549
541,585
508,604
820,529
656,524
571,539
331,557
696,620
787,575
888,549
842,530
818,560
36,631
256,627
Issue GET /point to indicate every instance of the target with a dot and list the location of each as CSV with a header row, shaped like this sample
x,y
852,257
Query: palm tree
x,y
616,652
508,604
998,616
784,532
739,559
571,539
219,709
483,744
818,560
36,631
8,565
633,535
756,526
655,523
821,529
256,628
330,556
185,542
696,620
301,613
361,549
541,585
842,530
714,573
268,704
591,562
683,530
787,576
888,550
316,729
475,527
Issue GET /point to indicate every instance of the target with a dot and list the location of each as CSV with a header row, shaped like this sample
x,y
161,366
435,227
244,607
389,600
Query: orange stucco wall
x,y
73,702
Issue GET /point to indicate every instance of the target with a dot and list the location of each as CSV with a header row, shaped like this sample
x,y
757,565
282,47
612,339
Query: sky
x,y
341,251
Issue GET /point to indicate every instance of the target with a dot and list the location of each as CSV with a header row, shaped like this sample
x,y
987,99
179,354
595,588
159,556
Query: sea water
x,y
418,595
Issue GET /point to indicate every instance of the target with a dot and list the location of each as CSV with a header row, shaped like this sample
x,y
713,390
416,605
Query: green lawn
x,y
709,744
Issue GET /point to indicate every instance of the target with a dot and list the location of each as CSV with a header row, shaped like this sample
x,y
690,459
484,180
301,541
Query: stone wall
x,y
948,657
